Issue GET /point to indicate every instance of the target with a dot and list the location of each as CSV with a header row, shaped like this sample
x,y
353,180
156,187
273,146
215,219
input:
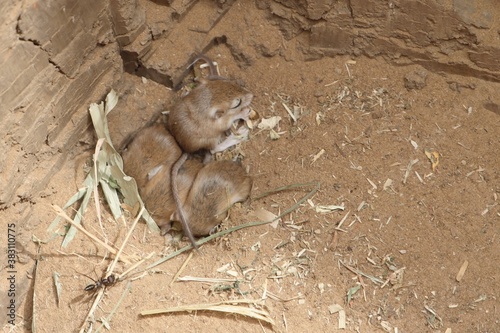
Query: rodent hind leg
x,y
214,229
165,226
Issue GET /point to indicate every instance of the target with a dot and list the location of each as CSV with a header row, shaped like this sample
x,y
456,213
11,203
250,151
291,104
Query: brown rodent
x,y
201,119
149,159
205,191
151,149
217,187
158,197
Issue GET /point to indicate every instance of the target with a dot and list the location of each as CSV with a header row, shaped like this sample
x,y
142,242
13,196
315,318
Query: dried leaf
x,y
328,208
351,292
225,306
269,123
264,215
433,156
81,211
334,308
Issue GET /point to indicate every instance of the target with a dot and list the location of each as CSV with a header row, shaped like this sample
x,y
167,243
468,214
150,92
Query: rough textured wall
x,y
55,57
58,55
455,36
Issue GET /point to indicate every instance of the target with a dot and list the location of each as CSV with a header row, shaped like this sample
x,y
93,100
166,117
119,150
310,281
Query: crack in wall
x,y
37,43
349,7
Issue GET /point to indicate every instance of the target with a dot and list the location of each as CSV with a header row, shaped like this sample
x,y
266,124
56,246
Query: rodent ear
x,y
235,103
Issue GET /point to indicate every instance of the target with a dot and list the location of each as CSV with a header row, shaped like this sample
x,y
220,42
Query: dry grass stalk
x,y
334,242
290,113
342,221
280,299
113,264
206,280
246,225
357,272
184,264
317,156
134,266
34,314
286,187
408,170
225,306
90,314
96,192
117,305
110,249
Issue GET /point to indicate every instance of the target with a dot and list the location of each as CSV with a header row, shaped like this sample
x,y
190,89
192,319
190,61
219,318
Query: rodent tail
x,y
175,192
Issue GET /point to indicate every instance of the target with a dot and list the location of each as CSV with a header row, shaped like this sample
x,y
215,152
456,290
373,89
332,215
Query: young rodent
x,y
201,119
152,149
149,159
205,191
217,187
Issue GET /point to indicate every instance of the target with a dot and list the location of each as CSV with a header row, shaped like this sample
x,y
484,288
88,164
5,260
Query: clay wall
x,y
57,56
452,36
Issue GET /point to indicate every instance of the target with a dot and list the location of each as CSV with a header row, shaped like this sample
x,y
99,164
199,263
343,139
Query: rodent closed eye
x,y
236,103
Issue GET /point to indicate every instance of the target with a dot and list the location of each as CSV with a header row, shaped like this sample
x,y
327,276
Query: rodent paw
x,y
245,113
242,131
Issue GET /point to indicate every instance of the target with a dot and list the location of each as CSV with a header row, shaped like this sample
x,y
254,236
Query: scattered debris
x,y
408,169
265,215
462,270
336,308
328,208
416,80
395,278
58,286
254,309
432,316
433,156
268,124
317,156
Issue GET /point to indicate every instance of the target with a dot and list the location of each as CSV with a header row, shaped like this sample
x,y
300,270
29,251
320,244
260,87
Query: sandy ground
x,y
389,259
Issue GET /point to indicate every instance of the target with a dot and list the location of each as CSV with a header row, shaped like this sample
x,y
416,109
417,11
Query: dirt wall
x,y
426,32
57,56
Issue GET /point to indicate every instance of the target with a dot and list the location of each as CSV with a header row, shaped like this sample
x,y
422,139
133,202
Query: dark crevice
x,y
58,67
38,44
349,6
132,64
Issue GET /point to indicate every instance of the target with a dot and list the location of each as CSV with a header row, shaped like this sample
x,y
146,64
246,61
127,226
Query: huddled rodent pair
x,y
206,191
175,188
